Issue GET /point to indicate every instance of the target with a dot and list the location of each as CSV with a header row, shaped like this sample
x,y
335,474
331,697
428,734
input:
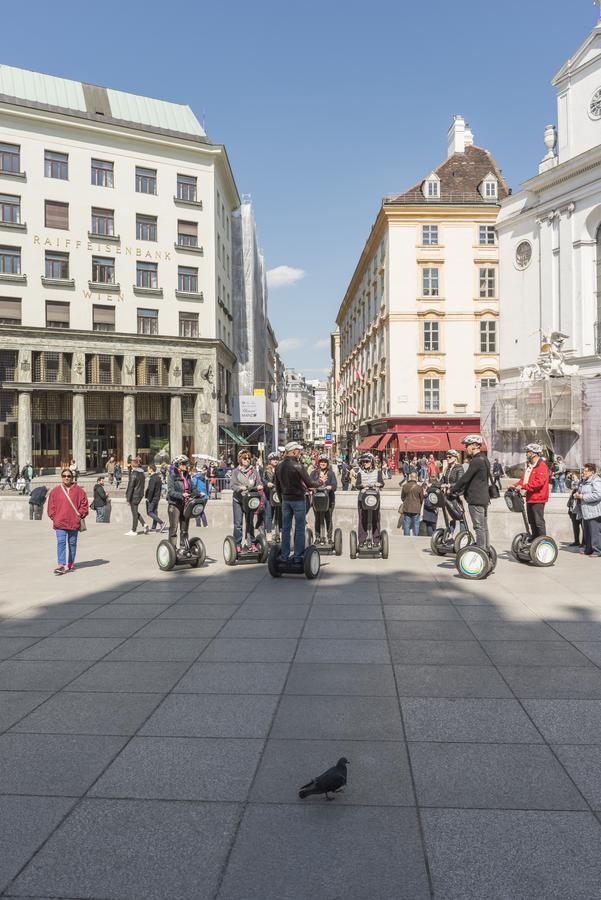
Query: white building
x,y
320,420
116,321
417,328
299,401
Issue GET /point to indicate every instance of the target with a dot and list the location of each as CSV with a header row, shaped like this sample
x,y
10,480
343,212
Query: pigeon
x,y
329,782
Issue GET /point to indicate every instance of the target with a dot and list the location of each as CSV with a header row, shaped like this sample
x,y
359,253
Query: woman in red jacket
x,y
535,482
67,506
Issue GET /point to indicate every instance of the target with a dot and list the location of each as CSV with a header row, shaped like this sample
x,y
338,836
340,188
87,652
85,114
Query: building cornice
x,y
375,236
584,162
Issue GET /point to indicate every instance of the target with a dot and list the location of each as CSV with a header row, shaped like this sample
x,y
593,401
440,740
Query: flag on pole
x,y
358,374
353,410
338,386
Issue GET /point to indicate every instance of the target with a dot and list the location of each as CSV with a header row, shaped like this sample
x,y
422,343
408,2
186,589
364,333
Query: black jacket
x,y
453,474
176,487
292,479
153,489
100,497
38,495
473,484
135,486
330,481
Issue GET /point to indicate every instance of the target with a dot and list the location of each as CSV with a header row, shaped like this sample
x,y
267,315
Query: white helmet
x,y
180,460
534,448
473,439
452,453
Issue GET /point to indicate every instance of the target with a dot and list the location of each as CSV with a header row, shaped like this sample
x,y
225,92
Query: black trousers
x,y
578,529
135,516
319,517
176,519
536,519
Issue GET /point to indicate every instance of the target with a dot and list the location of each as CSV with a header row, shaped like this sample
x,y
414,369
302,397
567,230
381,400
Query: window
x,y
103,318
57,265
148,321
57,314
10,260
187,279
488,336
188,324
488,283
103,222
487,235
10,209
429,282
146,228
147,275
489,189
187,234
186,188
56,215
102,173
56,165
431,394
431,335
433,188
488,382
103,270
146,180
188,368
10,311
10,158
429,235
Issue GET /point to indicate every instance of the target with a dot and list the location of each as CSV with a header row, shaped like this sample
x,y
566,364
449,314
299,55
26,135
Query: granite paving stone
x,y
262,628
140,649
101,628
247,650
69,648
199,611
548,682
9,646
35,675
583,764
127,676
16,704
334,650
128,611
428,631
212,715
481,721
323,718
505,631
534,653
360,612
330,628
233,678
361,679
181,628
25,823
567,721
439,652
450,681
90,713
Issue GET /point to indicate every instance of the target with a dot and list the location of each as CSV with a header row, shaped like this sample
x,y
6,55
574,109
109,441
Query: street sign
x,y
329,437
327,444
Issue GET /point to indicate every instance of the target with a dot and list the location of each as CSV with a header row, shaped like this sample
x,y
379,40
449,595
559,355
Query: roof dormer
x,y
431,187
489,187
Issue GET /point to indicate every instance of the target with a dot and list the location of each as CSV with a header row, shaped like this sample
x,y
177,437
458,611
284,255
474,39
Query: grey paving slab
x,y
158,649
250,650
360,612
200,611
90,713
428,631
577,631
233,678
446,613
34,675
212,715
499,776
128,611
591,649
350,718
101,628
70,648
360,679
466,653
157,850
450,681
9,646
567,721
293,611
483,721
584,766
415,599
516,613
511,855
286,765
127,676
16,704
526,631
181,628
168,768
29,627
548,683
211,596
49,764
353,650
534,653
25,823
68,612
352,852
263,628
332,628
142,597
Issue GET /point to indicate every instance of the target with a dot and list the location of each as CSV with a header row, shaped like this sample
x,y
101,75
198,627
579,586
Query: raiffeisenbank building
x,y
115,275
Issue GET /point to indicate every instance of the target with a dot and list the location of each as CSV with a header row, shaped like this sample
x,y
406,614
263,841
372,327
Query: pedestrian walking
x,y
110,469
575,517
153,497
68,508
497,472
27,476
37,498
118,472
134,495
412,495
588,496
100,499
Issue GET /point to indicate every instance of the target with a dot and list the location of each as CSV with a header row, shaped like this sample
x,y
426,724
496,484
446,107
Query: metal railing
x,y
412,197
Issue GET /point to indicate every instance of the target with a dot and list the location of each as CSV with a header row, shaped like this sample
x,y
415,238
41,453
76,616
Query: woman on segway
x,y
180,489
244,477
452,473
268,485
368,476
323,476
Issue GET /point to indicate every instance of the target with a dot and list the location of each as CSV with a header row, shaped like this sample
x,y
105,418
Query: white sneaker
x,y
130,533
146,529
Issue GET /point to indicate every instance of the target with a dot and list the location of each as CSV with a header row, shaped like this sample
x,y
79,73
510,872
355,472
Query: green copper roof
x,y
38,88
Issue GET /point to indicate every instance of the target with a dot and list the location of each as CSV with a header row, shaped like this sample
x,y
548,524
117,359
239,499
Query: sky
x,y
324,107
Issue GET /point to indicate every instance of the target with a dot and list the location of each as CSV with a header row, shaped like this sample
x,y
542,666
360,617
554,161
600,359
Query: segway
x,y
475,563
540,551
251,502
444,541
321,505
276,516
191,551
369,501
309,567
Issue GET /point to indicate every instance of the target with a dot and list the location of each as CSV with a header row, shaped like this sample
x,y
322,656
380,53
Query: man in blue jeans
x,y
293,483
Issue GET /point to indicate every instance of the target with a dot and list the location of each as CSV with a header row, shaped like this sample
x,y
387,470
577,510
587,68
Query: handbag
x,y
493,491
82,523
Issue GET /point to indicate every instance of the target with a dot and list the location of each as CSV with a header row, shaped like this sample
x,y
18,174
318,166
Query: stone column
x,y
79,431
175,426
24,429
129,426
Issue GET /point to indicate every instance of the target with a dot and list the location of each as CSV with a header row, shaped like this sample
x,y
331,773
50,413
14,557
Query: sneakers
x,y
146,529
238,548
60,570
70,567
163,528
130,533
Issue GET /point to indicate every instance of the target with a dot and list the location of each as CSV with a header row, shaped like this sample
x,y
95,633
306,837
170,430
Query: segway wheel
x,y
311,563
543,551
353,544
436,542
263,546
272,562
166,556
338,542
199,552
463,539
517,545
385,544
493,558
229,551
473,563
308,537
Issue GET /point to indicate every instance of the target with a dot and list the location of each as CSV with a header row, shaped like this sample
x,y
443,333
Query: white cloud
x,y
322,344
289,344
284,276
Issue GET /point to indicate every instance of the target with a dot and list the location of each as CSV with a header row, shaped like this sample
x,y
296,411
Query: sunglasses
x,y
67,476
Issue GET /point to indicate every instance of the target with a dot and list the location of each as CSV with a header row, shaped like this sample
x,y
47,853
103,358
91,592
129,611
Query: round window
x,y
523,255
595,105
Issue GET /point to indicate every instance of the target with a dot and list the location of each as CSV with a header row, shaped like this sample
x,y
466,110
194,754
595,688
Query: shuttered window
x,y
10,311
187,234
57,314
56,214
103,318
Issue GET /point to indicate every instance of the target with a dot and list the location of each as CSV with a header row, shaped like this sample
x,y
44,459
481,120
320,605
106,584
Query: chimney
x,y
469,137
457,136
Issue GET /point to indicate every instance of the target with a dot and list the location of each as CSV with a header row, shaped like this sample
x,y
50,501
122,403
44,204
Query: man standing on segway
x,y
473,484
292,482
535,484
179,490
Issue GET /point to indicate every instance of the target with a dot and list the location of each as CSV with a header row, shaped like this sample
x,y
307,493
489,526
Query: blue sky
x,y
324,107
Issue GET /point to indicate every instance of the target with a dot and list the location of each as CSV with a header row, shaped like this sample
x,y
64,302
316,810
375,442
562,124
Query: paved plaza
x,y
155,728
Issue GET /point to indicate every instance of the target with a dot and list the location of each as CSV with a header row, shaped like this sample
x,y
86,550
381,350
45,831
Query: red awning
x,y
455,439
368,442
432,442
385,441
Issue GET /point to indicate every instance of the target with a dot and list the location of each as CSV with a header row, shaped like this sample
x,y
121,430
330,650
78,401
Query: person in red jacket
x,y
535,483
67,506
